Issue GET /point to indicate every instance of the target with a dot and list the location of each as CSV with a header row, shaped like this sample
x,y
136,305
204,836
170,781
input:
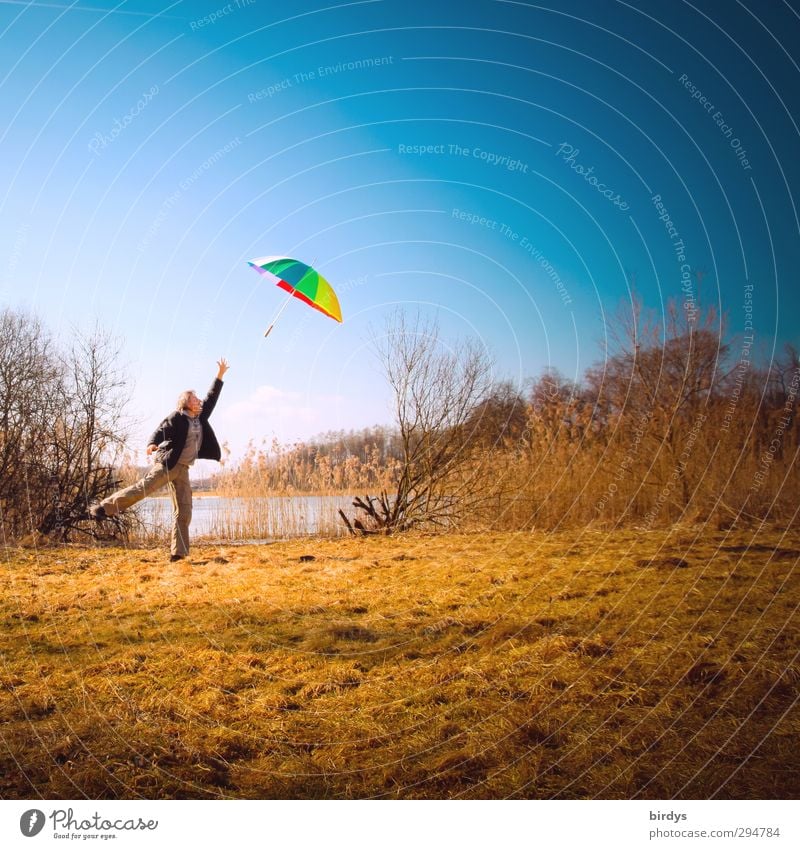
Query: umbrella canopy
x,y
302,281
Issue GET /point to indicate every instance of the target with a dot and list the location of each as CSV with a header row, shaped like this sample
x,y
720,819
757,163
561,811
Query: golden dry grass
x,y
622,665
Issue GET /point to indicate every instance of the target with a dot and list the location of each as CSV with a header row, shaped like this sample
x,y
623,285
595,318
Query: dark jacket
x,y
170,436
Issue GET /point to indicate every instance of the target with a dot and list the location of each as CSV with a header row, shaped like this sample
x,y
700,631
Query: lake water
x,y
254,518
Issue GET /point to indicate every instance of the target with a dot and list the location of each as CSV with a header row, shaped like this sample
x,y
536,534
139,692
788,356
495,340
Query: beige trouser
x,y
155,479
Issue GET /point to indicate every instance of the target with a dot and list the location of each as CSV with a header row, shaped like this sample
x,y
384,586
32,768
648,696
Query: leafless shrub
x,y
61,427
436,394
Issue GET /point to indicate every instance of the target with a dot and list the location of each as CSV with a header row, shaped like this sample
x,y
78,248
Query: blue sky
x,y
493,164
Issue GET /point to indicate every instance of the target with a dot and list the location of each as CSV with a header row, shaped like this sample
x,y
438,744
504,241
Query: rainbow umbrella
x,y
300,281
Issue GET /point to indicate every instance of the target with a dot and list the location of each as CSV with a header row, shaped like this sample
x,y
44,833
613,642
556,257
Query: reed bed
x,y
652,664
278,517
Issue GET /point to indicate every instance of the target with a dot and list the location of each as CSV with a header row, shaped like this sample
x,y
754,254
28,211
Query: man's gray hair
x,y
183,400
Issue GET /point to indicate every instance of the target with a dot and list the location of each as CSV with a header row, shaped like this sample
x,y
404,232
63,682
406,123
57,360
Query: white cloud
x,y
271,412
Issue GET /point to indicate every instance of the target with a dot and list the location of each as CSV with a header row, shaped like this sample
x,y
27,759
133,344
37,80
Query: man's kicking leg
x,y
112,506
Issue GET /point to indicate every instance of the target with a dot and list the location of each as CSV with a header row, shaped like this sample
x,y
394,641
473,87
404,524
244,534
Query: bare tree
x,y
86,439
28,372
60,427
436,391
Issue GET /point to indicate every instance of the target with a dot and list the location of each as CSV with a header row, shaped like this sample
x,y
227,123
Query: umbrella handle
x,y
277,316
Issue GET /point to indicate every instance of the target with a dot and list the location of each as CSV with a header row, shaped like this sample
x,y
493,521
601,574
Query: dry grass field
x,y
583,665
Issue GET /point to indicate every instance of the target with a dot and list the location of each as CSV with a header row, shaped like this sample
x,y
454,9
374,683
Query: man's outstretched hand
x,y
223,367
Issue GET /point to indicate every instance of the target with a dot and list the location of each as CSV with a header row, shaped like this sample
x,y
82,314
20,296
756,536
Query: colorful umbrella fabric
x,y
301,281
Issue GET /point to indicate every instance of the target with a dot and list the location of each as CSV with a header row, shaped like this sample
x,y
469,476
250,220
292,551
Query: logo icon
x,y
31,822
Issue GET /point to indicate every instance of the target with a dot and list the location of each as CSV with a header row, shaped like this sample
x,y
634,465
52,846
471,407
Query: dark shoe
x,y
98,512
173,558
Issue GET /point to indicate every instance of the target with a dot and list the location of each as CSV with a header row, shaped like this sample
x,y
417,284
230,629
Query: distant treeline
x,y
335,461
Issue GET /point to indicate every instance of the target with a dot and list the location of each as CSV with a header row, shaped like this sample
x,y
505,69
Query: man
x,y
178,441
